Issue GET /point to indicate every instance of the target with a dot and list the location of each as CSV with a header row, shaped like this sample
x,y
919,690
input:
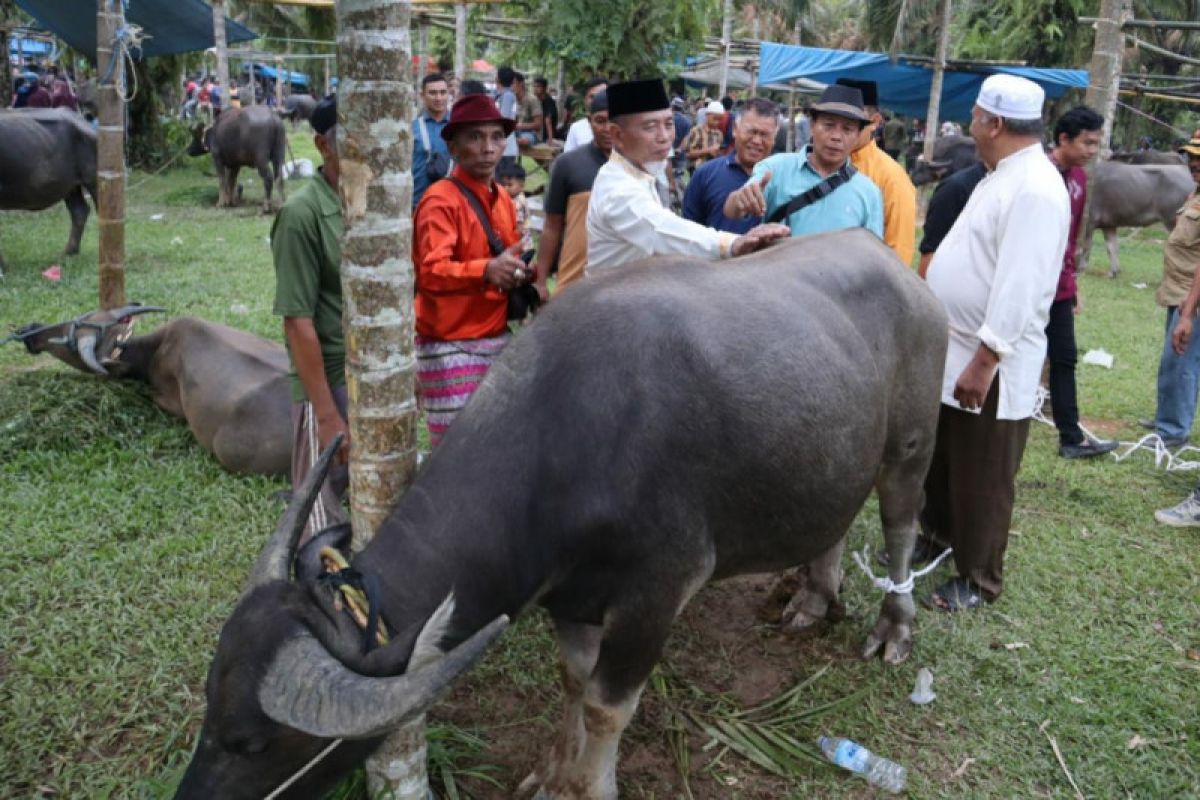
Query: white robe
x,y
996,273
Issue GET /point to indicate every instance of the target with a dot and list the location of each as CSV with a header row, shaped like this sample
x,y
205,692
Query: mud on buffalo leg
x,y
1110,243
817,597
77,207
579,649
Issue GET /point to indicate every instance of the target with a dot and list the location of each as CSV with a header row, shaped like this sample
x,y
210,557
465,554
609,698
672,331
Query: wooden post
x,y
726,42
460,42
375,105
935,89
328,81
560,86
110,154
218,8
279,79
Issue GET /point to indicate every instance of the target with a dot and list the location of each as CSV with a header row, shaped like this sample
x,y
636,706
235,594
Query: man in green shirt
x,y
306,246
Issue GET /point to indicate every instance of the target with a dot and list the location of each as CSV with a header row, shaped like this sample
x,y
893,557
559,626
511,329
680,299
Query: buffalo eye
x,y
244,745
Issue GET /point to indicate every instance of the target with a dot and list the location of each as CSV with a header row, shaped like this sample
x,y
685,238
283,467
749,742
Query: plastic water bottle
x,y
878,771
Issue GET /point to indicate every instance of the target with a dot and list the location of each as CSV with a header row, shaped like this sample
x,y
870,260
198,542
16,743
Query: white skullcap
x,y
715,107
1011,97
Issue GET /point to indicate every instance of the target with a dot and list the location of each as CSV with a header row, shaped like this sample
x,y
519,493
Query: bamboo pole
x,y
375,105
110,155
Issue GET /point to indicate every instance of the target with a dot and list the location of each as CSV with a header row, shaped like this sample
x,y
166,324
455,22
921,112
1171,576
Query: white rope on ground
x,y
281,788
1039,412
885,584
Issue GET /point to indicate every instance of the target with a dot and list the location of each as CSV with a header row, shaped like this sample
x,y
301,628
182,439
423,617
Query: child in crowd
x,y
511,175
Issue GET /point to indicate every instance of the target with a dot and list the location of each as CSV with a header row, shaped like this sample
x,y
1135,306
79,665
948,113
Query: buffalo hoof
x,y
891,639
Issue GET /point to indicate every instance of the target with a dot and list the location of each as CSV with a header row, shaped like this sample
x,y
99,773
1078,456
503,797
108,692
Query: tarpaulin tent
x,y
170,26
298,81
903,86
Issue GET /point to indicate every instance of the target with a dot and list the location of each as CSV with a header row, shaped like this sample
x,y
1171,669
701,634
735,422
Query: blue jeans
x,y
1178,381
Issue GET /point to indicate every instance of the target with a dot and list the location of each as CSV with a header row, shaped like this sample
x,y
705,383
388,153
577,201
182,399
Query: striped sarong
x,y
448,373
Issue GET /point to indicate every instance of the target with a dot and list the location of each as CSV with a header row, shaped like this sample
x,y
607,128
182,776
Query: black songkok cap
x,y
324,116
637,97
869,89
599,103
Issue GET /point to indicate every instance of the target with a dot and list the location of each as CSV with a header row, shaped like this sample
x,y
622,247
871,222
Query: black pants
x,y
1061,350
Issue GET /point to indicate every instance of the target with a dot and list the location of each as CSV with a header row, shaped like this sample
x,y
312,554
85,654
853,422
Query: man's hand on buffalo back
x,y
759,237
502,271
971,388
330,425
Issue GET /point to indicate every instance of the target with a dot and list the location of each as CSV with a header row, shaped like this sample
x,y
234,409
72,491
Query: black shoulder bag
x,y
821,190
523,299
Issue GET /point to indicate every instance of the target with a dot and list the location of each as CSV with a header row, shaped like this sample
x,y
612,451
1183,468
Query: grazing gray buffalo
x,y
298,107
694,421
243,137
1132,195
47,156
229,386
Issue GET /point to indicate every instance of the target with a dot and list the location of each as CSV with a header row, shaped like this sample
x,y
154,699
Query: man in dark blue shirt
x,y
753,139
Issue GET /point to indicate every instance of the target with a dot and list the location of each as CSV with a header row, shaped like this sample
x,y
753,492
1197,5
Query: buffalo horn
x,y
86,345
275,560
306,688
133,310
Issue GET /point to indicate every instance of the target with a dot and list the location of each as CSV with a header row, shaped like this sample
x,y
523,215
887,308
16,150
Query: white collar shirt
x,y
627,221
579,134
996,273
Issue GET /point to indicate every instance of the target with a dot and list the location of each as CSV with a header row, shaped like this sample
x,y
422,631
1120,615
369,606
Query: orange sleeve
x,y
437,232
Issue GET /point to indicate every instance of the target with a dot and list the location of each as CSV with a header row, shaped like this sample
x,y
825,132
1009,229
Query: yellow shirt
x,y
899,198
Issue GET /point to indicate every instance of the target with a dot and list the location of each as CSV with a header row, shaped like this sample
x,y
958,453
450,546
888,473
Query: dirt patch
x,y
719,647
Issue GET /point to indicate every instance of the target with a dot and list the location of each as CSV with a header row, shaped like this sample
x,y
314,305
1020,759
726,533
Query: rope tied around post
x,y
127,38
885,583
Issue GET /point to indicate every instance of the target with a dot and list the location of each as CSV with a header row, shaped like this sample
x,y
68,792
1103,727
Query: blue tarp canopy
x,y
296,79
170,26
903,86
29,47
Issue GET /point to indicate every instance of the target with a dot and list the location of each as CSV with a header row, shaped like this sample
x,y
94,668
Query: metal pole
x,y
110,154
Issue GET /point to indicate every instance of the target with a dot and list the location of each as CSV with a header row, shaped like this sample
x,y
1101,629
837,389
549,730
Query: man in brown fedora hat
x,y
467,255
817,189
628,215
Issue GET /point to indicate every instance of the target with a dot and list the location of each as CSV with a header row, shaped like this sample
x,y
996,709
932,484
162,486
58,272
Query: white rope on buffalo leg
x,y
886,584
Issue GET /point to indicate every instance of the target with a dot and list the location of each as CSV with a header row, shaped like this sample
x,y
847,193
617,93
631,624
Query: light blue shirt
x,y
436,144
856,204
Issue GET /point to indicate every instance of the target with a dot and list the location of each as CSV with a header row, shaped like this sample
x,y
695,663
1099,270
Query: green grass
x,y
126,546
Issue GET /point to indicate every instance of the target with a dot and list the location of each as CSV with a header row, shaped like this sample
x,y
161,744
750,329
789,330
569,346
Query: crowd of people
x,y
42,87
998,251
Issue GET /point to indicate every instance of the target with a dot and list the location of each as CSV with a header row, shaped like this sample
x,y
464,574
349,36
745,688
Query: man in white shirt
x,y
996,273
628,215
580,132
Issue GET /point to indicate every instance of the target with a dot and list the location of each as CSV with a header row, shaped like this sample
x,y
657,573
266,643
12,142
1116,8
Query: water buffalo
x,y
694,422
48,155
230,386
950,154
298,107
1132,195
243,137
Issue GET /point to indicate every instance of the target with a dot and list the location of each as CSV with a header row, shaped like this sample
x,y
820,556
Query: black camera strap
x,y
818,192
495,243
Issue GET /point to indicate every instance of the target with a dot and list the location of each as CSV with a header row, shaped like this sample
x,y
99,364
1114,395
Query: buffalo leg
x,y
1083,250
77,207
264,172
579,649
235,197
1114,261
900,496
817,597
222,187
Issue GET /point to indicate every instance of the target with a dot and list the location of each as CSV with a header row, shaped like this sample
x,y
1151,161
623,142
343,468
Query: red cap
x,y
472,109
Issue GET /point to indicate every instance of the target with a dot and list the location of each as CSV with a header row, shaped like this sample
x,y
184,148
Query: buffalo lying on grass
x,y
230,386
47,156
670,424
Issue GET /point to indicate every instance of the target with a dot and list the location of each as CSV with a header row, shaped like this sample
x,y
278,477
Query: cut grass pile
x,y
126,546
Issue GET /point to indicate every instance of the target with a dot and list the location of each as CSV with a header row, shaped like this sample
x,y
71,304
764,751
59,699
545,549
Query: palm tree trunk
x,y
935,89
1104,72
218,7
726,37
375,148
460,42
